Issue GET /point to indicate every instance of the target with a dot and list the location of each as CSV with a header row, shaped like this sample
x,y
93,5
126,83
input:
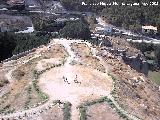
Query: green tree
x,y
135,28
7,45
120,15
157,54
76,29
11,43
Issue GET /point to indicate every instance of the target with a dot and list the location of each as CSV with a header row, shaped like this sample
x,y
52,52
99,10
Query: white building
x,y
104,29
108,29
149,29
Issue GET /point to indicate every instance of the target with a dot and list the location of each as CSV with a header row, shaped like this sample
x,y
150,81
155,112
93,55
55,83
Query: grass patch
x,y
154,76
40,93
112,76
67,111
83,107
7,109
27,103
36,73
113,92
82,111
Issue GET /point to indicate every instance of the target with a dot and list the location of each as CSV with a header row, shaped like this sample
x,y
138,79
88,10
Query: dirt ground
x,y
55,113
3,80
101,111
93,84
90,80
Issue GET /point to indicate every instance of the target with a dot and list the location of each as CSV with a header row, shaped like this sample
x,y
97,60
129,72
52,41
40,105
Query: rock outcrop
x,y
137,62
101,43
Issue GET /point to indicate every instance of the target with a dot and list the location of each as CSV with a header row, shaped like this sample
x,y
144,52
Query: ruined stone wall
x,y
136,62
15,57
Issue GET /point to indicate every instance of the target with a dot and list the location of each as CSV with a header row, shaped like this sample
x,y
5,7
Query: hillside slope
x,y
69,79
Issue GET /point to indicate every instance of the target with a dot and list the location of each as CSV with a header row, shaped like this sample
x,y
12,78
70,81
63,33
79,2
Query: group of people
x,y
75,80
65,80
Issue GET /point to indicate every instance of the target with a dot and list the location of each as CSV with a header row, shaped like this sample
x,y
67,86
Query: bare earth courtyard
x,y
93,85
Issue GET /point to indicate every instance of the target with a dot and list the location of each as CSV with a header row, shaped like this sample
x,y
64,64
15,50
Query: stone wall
x,y
136,62
15,57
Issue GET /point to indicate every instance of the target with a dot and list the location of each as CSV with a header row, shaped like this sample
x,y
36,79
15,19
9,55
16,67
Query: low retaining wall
x,y
15,57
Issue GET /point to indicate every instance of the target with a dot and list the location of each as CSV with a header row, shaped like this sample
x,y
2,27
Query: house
x,y
61,20
149,29
108,29
10,23
104,29
16,4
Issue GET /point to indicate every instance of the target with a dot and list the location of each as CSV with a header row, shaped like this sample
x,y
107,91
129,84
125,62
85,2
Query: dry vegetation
x,y
101,111
55,113
24,88
84,53
137,94
21,90
54,51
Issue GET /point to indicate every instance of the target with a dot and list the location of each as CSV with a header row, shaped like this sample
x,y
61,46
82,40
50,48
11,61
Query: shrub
x,y
67,111
76,29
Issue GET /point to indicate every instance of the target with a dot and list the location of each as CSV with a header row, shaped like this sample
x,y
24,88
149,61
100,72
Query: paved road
x,y
146,39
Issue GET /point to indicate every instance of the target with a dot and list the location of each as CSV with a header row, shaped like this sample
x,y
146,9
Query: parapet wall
x,y
15,57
